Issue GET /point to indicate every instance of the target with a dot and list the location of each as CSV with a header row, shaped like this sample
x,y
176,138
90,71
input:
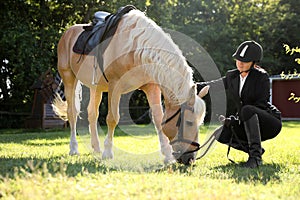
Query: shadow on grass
x,y
12,165
176,168
16,167
263,174
22,138
70,166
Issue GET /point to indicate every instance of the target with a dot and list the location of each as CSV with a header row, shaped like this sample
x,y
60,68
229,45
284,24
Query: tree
x,y
29,34
30,31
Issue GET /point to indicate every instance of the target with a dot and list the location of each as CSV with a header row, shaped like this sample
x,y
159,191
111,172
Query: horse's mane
x,y
159,55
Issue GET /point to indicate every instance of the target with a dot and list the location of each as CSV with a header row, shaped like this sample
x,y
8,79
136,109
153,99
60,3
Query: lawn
x,y
36,165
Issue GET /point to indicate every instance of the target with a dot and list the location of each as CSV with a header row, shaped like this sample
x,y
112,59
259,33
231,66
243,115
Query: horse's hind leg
x,y
93,113
153,94
70,83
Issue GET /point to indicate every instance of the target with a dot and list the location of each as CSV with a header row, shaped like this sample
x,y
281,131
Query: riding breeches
x,y
270,126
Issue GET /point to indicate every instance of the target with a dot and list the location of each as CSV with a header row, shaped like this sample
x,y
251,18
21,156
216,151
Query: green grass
x,y
36,165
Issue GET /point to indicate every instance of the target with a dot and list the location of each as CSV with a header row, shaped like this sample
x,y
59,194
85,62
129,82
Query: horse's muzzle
x,y
186,159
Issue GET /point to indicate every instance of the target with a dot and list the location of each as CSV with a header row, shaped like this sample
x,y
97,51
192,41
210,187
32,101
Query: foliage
x,y
220,26
35,165
30,30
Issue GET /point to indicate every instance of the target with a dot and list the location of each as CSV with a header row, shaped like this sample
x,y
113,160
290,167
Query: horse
x,y
140,55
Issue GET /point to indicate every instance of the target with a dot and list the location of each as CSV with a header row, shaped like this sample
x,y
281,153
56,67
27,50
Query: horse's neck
x,y
170,105
175,97
156,52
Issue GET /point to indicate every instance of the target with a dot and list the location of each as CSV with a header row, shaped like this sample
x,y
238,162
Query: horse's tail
x,y
78,97
60,106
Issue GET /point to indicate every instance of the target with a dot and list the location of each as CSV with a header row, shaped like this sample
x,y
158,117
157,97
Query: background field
x,y
36,165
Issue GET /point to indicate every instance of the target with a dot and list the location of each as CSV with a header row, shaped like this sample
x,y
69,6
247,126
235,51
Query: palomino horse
x,y
139,56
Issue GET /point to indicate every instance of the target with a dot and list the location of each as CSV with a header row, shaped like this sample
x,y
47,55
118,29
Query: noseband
x,y
180,138
179,125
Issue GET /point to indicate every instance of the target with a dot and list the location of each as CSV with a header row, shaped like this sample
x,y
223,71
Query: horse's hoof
x,y
97,155
169,160
107,155
74,153
97,150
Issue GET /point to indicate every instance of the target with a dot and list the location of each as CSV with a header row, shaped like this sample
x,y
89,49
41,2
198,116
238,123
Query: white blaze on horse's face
x,y
184,128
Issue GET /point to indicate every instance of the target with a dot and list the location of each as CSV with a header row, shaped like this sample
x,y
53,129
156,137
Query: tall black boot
x,y
254,140
243,146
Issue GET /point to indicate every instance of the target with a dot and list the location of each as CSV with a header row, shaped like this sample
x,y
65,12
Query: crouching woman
x,y
253,119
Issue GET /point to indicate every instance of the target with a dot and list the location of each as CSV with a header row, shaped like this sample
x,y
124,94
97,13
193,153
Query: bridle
x,y
180,125
180,137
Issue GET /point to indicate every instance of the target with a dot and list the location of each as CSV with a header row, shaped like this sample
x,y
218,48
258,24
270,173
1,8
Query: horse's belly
x,y
124,78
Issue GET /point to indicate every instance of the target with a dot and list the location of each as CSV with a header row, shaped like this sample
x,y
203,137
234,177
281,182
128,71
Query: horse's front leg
x,y
153,94
112,120
93,114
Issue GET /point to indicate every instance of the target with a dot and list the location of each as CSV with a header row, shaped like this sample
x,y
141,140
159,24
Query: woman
x,y
253,118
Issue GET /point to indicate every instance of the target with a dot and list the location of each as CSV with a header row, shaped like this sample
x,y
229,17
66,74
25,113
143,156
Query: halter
x,y
180,138
179,125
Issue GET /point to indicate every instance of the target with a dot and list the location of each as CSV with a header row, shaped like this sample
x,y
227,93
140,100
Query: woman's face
x,y
243,66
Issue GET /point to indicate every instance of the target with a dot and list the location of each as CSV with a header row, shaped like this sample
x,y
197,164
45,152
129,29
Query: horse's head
x,y
181,126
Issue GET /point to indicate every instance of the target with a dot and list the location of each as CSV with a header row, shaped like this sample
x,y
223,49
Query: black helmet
x,y
249,51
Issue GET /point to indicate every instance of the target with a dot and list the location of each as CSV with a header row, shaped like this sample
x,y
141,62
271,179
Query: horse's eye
x,y
189,123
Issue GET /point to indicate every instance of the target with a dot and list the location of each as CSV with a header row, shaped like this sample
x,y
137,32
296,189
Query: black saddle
x,y
104,25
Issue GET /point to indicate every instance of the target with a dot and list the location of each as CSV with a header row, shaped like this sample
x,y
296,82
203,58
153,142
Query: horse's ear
x,y
192,95
203,91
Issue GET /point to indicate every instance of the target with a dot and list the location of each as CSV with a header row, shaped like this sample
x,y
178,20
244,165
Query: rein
x,y
169,119
179,124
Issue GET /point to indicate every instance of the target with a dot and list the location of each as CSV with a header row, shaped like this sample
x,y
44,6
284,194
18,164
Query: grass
x,y
36,165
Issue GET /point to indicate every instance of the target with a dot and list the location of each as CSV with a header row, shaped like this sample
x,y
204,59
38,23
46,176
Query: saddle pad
x,y
94,35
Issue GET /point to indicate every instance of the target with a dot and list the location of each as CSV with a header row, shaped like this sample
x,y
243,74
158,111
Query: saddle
x,y
103,26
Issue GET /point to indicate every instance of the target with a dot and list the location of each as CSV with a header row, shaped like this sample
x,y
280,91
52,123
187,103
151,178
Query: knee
x,y
92,118
247,112
112,119
92,115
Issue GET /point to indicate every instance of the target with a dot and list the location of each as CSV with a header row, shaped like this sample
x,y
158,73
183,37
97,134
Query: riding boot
x,y
254,140
235,143
243,146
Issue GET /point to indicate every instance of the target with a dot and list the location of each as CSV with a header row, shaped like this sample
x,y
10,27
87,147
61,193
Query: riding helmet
x,y
249,51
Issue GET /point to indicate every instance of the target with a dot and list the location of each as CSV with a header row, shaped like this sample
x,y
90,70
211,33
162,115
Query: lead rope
x,y
230,142
229,146
210,141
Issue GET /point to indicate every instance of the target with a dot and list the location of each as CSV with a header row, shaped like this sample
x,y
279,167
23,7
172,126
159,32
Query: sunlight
x,y
258,3
8,82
